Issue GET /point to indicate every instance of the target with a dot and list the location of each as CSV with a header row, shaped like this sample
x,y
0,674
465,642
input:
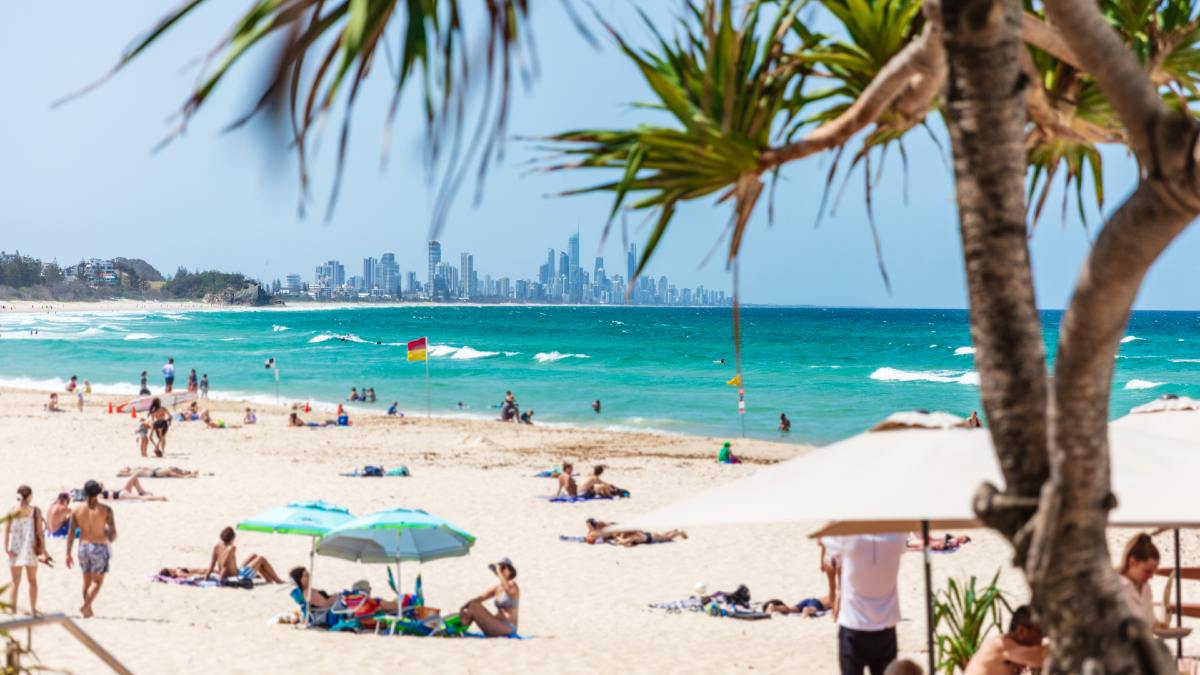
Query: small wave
x,y
1184,360
466,354
933,346
176,317
550,357
93,331
277,328
886,374
964,351
1130,338
511,353
438,351
139,336
1142,384
348,337
107,326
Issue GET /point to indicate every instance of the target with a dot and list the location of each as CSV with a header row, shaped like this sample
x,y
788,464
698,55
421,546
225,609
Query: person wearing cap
x,y
507,597
96,527
726,456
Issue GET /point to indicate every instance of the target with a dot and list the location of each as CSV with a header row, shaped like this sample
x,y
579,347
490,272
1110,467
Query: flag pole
x,y
428,396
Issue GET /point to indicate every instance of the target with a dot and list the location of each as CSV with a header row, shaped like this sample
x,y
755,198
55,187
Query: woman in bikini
x,y
224,561
148,472
131,492
160,421
507,597
317,601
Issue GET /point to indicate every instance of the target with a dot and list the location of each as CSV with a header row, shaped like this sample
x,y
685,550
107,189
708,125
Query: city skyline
x,y
562,279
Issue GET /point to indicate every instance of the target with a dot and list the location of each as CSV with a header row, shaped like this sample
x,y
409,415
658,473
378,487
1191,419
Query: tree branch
x,y
1116,70
919,68
1039,34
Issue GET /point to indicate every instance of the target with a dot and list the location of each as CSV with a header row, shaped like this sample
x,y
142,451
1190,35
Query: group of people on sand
x,y
92,523
594,487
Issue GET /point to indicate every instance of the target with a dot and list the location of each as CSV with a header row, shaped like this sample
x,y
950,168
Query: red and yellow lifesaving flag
x,y
416,350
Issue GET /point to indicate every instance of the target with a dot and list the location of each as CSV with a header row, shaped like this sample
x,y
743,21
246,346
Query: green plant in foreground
x,y
970,614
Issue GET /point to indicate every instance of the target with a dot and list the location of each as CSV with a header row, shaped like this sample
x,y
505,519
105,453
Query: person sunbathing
x,y
566,481
595,486
132,492
317,602
224,561
157,472
181,572
948,542
507,597
215,424
595,533
638,538
58,515
809,607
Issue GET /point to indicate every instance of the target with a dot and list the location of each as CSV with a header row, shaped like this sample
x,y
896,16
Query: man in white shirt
x,y
168,372
868,607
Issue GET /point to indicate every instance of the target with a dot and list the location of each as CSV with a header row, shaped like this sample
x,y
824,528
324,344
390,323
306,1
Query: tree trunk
x,y
986,112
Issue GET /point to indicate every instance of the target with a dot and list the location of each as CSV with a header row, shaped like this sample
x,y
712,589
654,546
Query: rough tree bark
x,y
1053,448
985,105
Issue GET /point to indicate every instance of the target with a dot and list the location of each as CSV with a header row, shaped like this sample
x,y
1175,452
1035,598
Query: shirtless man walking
x,y
98,529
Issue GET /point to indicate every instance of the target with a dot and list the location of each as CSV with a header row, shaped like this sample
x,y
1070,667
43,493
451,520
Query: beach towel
x,y
378,472
580,498
691,604
551,473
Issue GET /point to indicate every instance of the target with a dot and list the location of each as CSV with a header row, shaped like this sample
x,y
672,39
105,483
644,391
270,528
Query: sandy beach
x,y
584,608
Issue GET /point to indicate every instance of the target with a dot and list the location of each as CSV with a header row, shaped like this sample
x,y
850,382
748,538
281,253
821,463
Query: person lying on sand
x,y
131,492
948,542
566,481
157,472
596,535
810,607
181,572
215,424
224,561
295,421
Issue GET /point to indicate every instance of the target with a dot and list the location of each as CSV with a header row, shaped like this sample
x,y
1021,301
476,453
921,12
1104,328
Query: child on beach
x,y
142,433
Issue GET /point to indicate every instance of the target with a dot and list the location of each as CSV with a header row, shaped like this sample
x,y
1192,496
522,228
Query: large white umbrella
x,y
917,471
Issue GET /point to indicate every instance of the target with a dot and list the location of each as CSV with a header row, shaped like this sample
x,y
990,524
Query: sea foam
x,y
886,374
1130,338
550,357
964,351
1142,384
139,336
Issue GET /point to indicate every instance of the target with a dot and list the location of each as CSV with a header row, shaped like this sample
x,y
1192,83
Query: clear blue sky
x,y
80,180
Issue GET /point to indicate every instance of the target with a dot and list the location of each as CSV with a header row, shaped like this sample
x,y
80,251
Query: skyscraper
x,y
468,275
330,275
411,286
387,274
368,273
598,270
573,254
546,273
631,262
435,257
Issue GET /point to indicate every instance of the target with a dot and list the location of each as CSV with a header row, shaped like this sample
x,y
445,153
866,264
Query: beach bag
x,y
39,534
374,471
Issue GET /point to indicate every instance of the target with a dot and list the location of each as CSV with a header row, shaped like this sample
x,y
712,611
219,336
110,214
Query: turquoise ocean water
x,y
833,371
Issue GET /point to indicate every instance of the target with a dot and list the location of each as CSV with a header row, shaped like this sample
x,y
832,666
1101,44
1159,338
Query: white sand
x,y
583,607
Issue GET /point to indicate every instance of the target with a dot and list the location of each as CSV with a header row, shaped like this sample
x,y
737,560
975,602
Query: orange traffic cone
x,y
133,413
110,407
307,407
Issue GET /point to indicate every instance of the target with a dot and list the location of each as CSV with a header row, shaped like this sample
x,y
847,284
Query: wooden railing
x,y
72,628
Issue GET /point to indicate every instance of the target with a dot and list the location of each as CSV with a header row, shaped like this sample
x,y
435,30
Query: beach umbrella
x,y
917,471
309,519
395,535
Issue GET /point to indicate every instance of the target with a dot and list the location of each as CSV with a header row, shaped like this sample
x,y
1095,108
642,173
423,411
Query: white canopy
x,y
891,480
1172,417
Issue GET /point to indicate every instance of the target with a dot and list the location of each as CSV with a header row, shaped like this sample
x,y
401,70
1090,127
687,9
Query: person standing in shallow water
x,y
145,390
203,385
785,425
168,372
596,406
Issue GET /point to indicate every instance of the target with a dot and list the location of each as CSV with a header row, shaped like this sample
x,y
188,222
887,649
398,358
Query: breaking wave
x,y
550,357
886,374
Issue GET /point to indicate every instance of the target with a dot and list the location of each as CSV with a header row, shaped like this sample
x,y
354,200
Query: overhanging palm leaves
x,y
346,37
722,86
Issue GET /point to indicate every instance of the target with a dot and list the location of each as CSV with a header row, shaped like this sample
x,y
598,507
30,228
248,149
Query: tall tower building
x,y
468,275
387,274
368,273
573,254
435,257
631,262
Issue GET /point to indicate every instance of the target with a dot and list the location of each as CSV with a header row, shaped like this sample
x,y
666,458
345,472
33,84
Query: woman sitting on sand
x,y
224,560
250,417
507,597
160,421
148,472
